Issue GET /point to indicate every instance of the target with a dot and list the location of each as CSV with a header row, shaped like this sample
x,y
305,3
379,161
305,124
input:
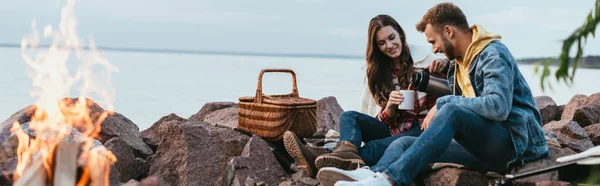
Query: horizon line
x,y
204,52
208,52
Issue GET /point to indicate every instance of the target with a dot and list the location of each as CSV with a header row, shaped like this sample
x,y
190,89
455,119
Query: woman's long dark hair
x,y
379,66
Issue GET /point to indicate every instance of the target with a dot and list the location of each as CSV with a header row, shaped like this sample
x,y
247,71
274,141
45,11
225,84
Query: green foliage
x,y
579,36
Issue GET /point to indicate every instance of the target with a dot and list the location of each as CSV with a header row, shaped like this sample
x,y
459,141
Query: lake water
x,y
151,85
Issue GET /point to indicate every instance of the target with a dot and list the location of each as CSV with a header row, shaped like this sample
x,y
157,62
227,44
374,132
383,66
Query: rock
x,y
257,161
22,116
227,117
286,183
132,183
114,176
194,153
114,125
150,181
296,176
151,137
142,168
587,115
547,108
555,152
593,132
454,176
126,162
328,115
570,134
575,102
559,111
309,181
209,108
117,125
552,183
594,98
9,165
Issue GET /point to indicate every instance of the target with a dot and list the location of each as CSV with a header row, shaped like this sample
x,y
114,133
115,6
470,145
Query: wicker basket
x,y
269,116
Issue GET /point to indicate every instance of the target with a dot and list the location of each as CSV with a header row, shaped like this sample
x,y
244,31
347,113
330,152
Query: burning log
x,y
66,170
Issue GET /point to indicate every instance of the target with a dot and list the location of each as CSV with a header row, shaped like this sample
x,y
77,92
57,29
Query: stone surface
x,y
575,102
21,116
547,108
570,134
593,132
209,108
555,152
587,115
194,153
328,115
257,162
125,163
151,137
117,125
454,176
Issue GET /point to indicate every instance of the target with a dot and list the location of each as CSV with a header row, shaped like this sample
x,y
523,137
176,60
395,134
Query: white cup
x,y
409,100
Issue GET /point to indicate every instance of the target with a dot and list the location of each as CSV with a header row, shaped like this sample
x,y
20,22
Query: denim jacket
x,y
503,95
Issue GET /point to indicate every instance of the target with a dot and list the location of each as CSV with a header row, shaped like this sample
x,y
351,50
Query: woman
x,y
390,67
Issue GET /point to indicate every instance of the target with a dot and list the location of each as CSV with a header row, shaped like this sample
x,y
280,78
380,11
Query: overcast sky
x,y
530,28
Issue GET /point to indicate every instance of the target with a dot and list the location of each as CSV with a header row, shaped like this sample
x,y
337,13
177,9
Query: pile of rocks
x,y
204,149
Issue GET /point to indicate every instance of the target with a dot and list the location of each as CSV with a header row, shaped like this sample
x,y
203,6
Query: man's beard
x,y
449,49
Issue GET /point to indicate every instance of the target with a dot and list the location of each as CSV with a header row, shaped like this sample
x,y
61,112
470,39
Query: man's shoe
x,y
344,156
329,175
376,180
303,155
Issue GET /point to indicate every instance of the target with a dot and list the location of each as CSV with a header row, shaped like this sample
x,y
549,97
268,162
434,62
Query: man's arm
x,y
496,99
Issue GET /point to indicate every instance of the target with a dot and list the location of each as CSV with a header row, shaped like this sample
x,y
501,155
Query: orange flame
x,y
56,115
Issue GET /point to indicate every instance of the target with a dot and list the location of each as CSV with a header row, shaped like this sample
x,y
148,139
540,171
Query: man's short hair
x,y
441,15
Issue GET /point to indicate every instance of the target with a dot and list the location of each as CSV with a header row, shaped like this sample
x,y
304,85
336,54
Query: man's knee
x,y
450,109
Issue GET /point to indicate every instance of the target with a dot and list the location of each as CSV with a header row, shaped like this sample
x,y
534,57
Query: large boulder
x,y
117,125
21,116
455,176
328,115
555,152
594,132
257,162
150,135
587,115
569,134
547,108
578,101
575,102
125,163
195,153
209,108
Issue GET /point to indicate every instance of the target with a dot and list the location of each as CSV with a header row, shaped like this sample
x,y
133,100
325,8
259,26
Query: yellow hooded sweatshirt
x,y
481,38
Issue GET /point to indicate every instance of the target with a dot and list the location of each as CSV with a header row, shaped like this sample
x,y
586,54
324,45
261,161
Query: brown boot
x,y
304,155
344,156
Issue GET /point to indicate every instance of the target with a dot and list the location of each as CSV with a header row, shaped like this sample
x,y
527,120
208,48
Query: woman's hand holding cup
x,y
395,98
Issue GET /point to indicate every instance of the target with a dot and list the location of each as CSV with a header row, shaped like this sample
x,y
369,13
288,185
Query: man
x,y
492,115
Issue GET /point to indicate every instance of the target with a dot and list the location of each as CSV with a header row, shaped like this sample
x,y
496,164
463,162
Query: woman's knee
x,y
348,116
402,143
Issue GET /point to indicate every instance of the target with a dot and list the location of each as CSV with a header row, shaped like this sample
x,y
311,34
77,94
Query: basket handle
x,y
259,94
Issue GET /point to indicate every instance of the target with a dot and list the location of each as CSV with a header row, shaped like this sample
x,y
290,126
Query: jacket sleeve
x,y
495,99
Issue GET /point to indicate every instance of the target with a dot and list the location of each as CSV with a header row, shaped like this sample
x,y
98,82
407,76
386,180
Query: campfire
x,y
58,145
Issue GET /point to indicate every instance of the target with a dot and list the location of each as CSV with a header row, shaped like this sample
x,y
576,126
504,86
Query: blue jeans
x,y
481,145
356,127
